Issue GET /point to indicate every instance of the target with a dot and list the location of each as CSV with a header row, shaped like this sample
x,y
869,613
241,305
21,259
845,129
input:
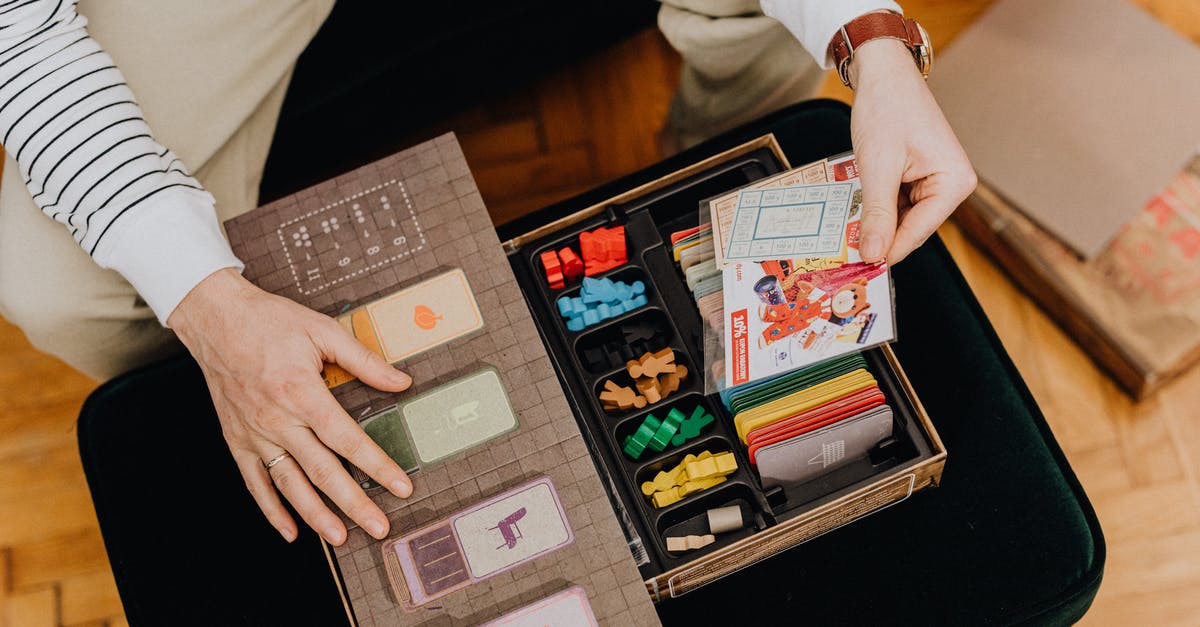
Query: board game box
x,y
566,459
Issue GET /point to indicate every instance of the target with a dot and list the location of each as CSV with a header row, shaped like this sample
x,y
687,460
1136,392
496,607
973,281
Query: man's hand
x,y
262,356
909,160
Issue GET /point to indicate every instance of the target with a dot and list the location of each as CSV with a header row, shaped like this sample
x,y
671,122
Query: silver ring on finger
x,y
275,460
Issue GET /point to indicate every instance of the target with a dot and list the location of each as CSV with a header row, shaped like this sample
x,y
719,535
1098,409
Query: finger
x,y
258,482
342,434
341,348
326,472
880,178
939,196
296,488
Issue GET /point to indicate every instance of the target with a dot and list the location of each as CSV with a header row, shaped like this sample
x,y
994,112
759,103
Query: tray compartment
x,y
648,222
686,404
621,377
692,518
607,347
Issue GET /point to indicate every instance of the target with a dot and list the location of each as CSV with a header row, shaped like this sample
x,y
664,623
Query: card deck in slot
x,y
700,271
806,457
796,402
679,248
861,400
710,285
741,398
805,422
696,254
760,392
678,235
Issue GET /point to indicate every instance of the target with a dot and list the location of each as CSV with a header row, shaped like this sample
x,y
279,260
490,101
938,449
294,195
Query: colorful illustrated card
x,y
569,608
778,319
477,543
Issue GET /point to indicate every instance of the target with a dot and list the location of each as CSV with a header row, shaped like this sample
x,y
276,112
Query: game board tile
x,y
603,580
373,579
583,468
574,447
544,437
609,603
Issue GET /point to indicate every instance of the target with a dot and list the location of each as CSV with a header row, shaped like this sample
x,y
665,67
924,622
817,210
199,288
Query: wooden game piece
x,y
665,498
692,426
689,543
649,389
666,430
572,265
553,269
635,332
715,466
602,249
723,519
668,383
652,364
621,396
691,487
636,443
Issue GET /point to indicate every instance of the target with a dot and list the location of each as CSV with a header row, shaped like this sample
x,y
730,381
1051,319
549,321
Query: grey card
x,y
808,456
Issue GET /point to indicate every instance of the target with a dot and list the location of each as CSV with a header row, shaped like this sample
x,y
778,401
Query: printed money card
x,y
790,222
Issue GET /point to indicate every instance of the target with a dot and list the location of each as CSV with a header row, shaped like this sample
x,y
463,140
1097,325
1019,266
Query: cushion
x,y
1008,538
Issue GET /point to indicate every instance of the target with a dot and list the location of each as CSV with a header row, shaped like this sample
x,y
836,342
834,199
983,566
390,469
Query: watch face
x,y
923,52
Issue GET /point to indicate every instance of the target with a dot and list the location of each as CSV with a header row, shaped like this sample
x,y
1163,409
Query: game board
x,y
394,224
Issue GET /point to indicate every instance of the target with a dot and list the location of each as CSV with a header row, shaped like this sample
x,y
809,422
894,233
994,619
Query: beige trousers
x,y
738,65
210,77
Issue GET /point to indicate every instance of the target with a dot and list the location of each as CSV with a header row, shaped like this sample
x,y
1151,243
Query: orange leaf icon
x,y
425,318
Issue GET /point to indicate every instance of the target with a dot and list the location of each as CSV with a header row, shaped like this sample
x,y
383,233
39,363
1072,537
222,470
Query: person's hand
x,y
262,356
912,168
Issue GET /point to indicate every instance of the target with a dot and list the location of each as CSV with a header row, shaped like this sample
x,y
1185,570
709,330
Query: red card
x,y
678,235
813,419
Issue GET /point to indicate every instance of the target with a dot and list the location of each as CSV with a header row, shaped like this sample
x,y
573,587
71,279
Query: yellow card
x,y
802,400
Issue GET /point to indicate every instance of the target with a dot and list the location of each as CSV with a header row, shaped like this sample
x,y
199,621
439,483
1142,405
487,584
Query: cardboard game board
x,y
390,228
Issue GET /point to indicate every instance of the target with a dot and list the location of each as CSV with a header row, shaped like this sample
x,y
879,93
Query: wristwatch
x,y
884,24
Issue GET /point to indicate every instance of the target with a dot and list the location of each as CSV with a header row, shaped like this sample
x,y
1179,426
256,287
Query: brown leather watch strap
x,y
864,28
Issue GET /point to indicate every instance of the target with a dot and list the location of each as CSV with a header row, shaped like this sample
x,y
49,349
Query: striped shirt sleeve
x,y
91,162
814,22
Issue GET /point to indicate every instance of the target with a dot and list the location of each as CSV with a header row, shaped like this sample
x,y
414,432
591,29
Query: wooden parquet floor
x,y
587,124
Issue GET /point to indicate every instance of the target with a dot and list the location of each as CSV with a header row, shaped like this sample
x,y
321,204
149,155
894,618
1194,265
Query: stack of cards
x,y
801,424
783,261
693,251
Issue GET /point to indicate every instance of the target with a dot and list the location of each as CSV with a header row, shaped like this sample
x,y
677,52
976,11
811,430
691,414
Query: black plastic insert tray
x,y
648,223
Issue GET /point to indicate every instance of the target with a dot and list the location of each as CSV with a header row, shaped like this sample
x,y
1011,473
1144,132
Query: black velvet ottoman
x,y
1008,538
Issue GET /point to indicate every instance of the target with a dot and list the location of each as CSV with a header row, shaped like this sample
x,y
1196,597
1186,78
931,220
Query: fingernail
x,y
871,247
400,378
376,528
288,535
333,535
402,488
